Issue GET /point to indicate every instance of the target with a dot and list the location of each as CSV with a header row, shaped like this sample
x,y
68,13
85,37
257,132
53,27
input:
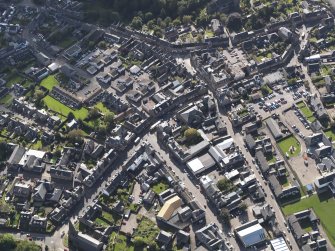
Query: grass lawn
x,y
120,243
270,158
324,208
7,99
37,145
113,218
285,145
64,43
147,231
58,107
101,222
160,187
330,134
49,82
14,78
306,111
102,108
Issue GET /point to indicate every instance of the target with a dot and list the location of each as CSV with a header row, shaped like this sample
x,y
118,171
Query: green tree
x,y
234,22
225,214
93,113
187,19
7,242
136,23
192,136
225,185
75,136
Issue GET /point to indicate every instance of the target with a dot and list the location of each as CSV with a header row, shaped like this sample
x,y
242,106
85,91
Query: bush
x,y
192,136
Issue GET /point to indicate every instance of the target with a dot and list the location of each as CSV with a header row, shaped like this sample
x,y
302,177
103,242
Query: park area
x,y
64,110
49,82
290,146
306,111
323,206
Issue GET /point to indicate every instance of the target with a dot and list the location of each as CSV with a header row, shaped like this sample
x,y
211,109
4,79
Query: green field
x,y
330,134
285,145
49,82
160,187
60,108
306,111
102,108
324,208
5,100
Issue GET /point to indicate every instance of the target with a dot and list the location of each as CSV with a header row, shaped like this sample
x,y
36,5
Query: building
x,y
169,207
274,128
201,164
279,244
210,237
83,241
251,234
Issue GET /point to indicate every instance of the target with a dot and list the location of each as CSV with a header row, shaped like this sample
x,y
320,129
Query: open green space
x,y
270,158
160,187
120,243
9,243
49,82
286,144
330,134
64,110
102,108
323,206
146,233
65,43
12,79
7,99
306,111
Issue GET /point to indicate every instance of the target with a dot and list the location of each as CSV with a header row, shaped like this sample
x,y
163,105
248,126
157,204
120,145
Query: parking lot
x,y
280,100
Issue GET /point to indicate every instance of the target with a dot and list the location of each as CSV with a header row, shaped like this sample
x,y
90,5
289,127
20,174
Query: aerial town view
x,y
167,125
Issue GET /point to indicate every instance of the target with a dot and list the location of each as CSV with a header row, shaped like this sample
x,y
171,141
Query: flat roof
x,y
279,244
250,230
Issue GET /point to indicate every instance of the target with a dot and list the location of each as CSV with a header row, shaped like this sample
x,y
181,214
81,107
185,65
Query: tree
x,y
192,136
93,113
75,136
7,242
224,213
225,185
265,90
70,116
102,45
109,118
136,23
187,19
243,206
176,22
234,22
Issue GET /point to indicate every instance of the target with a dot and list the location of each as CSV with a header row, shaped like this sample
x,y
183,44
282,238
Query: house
x,y
39,193
282,192
216,27
22,190
164,238
83,241
274,128
16,156
210,237
300,219
38,224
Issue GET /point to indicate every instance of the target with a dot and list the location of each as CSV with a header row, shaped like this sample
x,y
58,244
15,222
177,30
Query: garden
x,y
290,146
306,111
